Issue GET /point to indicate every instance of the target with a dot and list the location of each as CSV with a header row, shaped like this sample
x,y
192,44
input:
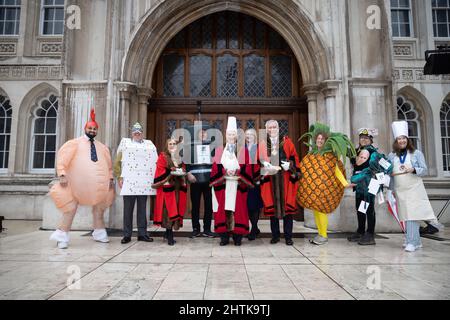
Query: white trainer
x,y
100,235
63,245
410,248
61,237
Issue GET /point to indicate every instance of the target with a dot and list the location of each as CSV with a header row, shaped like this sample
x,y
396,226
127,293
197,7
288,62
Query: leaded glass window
x,y
44,134
200,76
227,55
254,76
5,131
227,76
173,75
281,72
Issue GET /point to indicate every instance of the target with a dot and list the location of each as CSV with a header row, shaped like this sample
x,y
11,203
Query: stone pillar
x,y
144,94
126,90
79,98
333,116
311,93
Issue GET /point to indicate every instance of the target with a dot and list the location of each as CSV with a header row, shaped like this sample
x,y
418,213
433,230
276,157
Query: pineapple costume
x,y
323,179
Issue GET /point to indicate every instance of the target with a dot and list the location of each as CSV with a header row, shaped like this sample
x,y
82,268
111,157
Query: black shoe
x,y
251,237
125,240
196,234
209,234
145,239
274,240
367,240
237,239
289,242
429,229
356,237
224,242
170,240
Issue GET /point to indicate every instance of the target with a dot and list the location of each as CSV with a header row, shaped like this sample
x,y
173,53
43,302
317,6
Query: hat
x,y
400,128
368,132
92,122
232,124
137,128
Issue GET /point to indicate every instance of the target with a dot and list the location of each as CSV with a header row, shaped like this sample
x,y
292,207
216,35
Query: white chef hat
x,y
232,124
400,128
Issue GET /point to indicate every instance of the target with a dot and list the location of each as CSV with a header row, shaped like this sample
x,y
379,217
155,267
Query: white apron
x,y
412,198
230,162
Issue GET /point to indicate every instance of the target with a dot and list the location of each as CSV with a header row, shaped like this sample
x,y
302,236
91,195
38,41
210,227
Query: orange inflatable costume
x,y
86,168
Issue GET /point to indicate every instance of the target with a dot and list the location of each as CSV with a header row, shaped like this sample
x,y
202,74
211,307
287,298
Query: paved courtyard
x,y
31,267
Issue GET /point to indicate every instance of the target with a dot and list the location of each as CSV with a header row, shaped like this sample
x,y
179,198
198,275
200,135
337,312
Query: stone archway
x,y
168,18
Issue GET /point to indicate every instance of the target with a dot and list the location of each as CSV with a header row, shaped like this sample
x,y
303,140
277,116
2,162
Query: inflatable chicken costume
x,y
84,168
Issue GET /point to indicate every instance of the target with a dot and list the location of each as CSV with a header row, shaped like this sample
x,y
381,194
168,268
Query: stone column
x,y
333,116
126,90
144,94
311,92
79,98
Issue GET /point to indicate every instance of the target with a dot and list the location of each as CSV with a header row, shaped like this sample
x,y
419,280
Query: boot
x,y
170,240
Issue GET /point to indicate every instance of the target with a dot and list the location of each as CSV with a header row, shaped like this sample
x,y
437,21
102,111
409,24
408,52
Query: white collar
x,y
87,138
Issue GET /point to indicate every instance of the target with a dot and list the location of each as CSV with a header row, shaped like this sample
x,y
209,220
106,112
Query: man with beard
x,y
84,168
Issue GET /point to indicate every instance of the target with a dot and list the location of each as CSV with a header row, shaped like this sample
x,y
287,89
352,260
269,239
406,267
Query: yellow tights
x,y
322,223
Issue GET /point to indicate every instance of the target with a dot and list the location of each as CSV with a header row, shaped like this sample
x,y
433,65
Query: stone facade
x,y
352,76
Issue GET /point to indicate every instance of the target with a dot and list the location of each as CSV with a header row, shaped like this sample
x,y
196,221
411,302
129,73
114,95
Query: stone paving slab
x,y
31,267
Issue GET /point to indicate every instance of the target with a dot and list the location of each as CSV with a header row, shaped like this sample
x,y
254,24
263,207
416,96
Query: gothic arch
x,y
425,111
164,21
30,101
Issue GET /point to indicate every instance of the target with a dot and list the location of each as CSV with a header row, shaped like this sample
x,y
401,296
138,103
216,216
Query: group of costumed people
x,y
238,182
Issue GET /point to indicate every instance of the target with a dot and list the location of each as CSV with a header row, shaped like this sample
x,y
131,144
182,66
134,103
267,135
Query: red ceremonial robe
x,y
241,220
290,184
166,193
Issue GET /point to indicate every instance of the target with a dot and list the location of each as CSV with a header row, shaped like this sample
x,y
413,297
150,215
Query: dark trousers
x,y
254,218
128,208
197,190
288,224
370,217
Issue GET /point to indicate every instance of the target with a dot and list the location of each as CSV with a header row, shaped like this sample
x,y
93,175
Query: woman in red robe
x,y
170,183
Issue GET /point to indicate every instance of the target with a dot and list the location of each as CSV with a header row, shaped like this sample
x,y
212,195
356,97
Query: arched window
x,y
227,55
445,132
5,131
43,140
406,111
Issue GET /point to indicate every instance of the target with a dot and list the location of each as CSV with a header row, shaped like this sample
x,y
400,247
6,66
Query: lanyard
x,y
403,157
